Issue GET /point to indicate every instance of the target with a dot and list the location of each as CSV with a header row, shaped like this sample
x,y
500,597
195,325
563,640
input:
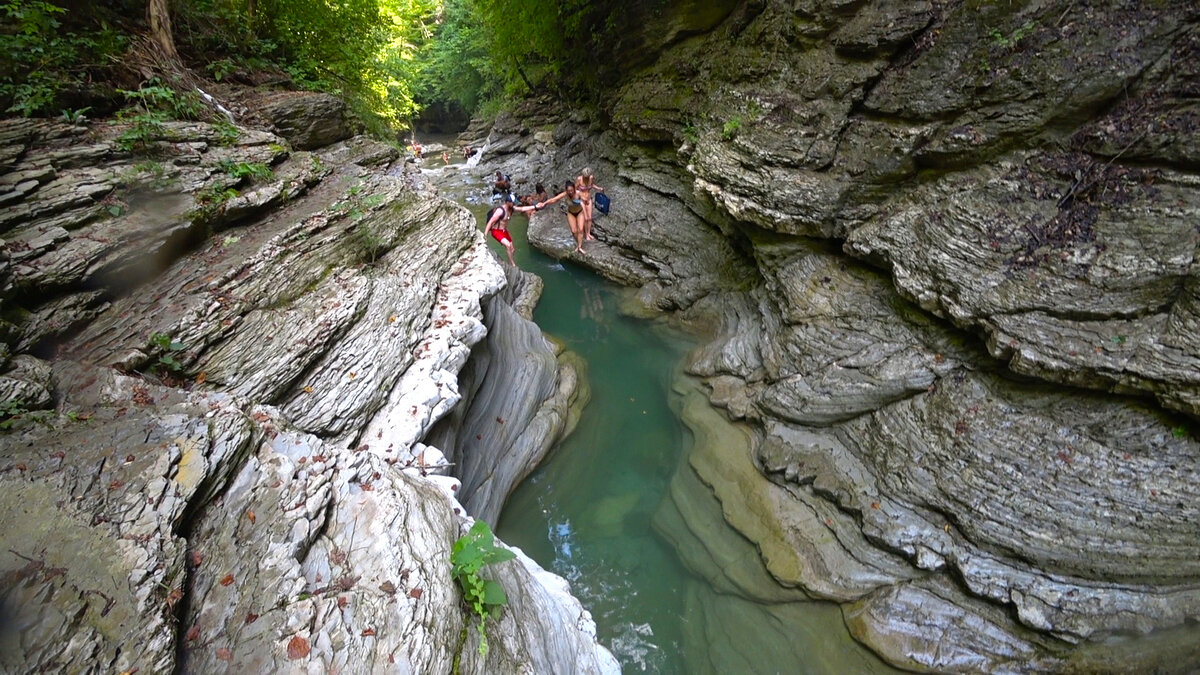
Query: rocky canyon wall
x,y
219,393
945,256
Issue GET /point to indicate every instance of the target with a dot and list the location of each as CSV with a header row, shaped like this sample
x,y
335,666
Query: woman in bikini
x,y
497,225
574,212
584,185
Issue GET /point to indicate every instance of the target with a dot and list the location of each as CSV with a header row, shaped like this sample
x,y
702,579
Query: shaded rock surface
x,y
226,462
308,120
943,253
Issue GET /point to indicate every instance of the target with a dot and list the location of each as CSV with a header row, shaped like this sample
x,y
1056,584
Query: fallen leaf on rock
x,y
197,558
251,617
173,597
370,632
388,587
193,633
224,654
875,505
342,602
308,390
201,378
251,516
416,593
297,648
227,579
260,417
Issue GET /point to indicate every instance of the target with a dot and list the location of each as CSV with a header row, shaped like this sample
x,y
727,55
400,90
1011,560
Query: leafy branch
x,y
468,556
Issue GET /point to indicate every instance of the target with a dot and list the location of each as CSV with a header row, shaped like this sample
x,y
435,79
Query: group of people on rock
x,y
578,194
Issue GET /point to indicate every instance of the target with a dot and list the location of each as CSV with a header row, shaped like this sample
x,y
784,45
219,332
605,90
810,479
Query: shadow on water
x,y
586,513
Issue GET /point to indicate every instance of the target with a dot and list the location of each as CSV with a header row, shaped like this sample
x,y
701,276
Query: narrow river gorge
x,y
890,350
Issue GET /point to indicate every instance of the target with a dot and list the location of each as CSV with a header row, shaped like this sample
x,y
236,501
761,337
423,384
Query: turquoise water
x,y
586,512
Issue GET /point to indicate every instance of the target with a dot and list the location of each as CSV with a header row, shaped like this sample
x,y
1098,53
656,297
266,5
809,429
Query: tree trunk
x,y
521,72
159,16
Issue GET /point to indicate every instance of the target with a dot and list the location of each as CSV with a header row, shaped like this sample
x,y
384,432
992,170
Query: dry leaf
x,y
251,617
415,593
227,579
224,654
201,378
193,633
370,632
297,648
308,390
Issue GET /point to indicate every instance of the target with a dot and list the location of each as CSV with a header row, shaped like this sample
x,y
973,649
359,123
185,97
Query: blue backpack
x,y
602,202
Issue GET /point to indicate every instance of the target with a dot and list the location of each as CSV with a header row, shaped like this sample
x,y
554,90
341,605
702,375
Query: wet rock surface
x,y
943,254
222,458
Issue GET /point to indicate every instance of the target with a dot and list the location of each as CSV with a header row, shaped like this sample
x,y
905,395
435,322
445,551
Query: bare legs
x,y
586,216
575,221
508,247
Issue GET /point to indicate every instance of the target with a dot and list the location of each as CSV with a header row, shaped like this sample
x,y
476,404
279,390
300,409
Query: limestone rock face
x,y
228,463
308,120
943,255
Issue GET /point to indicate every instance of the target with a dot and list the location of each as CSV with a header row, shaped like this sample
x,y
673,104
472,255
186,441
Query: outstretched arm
x,y
525,209
555,198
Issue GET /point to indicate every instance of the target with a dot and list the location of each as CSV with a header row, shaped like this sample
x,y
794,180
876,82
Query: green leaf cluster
x,y
42,58
167,349
240,170
469,555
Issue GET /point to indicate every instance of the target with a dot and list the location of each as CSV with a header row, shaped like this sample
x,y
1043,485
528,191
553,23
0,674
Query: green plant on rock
x,y
1016,36
227,133
689,132
150,107
239,170
730,128
13,410
167,349
469,555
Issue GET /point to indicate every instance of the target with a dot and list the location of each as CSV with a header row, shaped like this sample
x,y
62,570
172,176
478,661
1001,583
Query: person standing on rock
x,y
574,212
497,224
501,185
585,184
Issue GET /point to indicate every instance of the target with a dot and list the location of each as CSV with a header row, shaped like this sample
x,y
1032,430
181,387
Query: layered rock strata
x,y
223,464
944,253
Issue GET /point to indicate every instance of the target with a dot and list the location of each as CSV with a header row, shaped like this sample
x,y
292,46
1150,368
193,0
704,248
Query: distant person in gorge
x,y
538,195
497,224
445,157
585,185
417,149
501,185
574,213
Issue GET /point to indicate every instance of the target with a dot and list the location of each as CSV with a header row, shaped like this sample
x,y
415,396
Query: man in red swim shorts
x,y
497,224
